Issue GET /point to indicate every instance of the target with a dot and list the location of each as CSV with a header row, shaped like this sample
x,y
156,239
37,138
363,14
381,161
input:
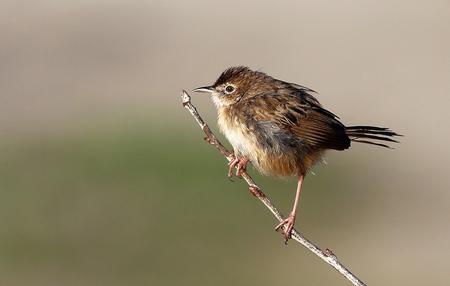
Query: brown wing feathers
x,y
322,131
304,117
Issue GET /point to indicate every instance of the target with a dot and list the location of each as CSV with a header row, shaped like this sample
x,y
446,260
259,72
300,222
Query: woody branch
x,y
327,255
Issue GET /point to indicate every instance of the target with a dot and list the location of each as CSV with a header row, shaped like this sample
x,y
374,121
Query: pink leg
x,y
240,163
289,222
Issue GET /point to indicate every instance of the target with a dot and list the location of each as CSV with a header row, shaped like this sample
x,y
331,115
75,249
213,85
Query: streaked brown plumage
x,y
280,127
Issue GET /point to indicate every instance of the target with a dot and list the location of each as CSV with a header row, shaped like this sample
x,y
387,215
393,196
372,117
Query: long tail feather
x,y
362,133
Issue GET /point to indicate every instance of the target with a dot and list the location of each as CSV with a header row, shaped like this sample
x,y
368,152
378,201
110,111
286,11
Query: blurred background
x,y
105,178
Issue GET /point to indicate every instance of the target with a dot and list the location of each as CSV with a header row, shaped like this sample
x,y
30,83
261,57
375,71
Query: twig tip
x,y
185,98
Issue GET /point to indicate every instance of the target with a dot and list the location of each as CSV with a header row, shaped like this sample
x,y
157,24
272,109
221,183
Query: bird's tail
x,y
371,135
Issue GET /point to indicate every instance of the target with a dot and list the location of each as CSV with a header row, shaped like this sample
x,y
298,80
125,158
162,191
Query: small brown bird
x,y
280,127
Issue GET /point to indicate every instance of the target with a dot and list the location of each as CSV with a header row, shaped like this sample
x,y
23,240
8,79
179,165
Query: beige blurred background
x,y
105,180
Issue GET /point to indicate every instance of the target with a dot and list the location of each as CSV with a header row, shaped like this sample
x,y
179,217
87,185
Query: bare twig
x,y
326,255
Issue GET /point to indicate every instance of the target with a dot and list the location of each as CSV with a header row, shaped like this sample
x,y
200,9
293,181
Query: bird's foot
x,y
288,225
240,163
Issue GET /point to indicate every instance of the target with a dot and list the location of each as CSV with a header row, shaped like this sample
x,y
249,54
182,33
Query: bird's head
x,y
237,83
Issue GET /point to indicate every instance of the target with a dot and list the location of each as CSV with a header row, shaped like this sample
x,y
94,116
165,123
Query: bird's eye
x,y
229,89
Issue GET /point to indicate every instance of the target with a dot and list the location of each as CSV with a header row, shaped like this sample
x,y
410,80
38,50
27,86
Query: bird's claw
x,y
231,166
240,163
288,224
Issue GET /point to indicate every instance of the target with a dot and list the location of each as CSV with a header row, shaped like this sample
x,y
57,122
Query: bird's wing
x,y
302,117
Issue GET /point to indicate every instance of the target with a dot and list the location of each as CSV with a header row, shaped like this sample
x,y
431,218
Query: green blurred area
x,y
143,206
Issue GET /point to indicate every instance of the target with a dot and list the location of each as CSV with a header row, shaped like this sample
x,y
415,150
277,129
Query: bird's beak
x,y
207,89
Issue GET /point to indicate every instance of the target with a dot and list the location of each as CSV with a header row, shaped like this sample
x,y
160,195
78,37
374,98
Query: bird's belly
x,y
269,153
243,143
267,160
